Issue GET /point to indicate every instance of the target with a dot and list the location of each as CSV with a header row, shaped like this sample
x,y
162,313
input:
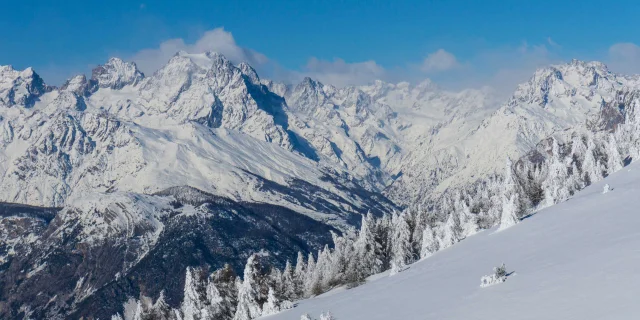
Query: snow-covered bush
x,y
499,276
323,316
327,316
606,189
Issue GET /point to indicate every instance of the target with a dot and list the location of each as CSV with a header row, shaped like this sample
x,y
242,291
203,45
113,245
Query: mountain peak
x,y
21,87
116,74
249,72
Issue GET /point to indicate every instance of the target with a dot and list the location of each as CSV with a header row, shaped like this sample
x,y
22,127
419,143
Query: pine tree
x,y
510,202
160,309
339,259
248,307
451,231
555,186
193,302
468,221
591,166
365,247
383,241
272,305
275,281
309,285
614,161
401,245
429,242
288,283
139,312
305,317
222,293
299,275
116,316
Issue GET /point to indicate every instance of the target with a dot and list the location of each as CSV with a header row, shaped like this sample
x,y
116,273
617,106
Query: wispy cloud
x,y
624,58
440,60
336,72
340,73
218,40
501,68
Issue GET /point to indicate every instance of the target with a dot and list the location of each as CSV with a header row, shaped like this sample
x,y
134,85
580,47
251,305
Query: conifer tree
x,y
248,307
288,283
222,293
510,201
272,306
614,161
555,185
309,285
401,245
299,274
193,302
452,231
591,166
160,310
429,243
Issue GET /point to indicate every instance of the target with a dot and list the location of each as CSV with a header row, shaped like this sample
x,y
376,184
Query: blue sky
x,y
457,43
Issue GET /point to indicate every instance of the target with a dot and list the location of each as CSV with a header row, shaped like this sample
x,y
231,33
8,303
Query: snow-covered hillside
x,y
575,260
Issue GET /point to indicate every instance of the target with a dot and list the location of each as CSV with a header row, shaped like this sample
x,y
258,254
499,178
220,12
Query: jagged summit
x,y
576,78
22,88
116,74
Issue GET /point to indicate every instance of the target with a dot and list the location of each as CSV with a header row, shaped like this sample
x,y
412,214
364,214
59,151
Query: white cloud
x,y
340,73
218,40
440,60
336,72
502,68
624,58
552,43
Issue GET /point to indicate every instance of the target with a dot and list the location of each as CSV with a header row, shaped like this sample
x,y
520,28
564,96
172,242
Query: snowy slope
x,y
574,260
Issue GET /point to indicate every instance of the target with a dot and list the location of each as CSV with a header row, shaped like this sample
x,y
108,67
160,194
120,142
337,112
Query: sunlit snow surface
x,y
576,260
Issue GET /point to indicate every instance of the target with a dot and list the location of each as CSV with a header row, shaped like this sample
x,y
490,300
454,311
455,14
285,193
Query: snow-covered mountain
x,y
123,169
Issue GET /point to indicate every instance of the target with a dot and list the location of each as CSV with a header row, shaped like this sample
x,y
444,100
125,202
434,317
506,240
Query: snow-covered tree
x,y
591,167
160,310
299,274
116,316
451,231
383,241
468,221
288,282
194,300
555,185
606,189
327,316
248,307
429,242
309,284
614,161
401,244
365,246
305,317
510,202
222,293
272,306
499,275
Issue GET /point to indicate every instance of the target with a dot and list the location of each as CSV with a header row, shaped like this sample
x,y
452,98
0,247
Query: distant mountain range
x,y
114,185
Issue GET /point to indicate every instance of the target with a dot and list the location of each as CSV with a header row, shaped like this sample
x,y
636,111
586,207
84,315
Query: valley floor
x,y
576,260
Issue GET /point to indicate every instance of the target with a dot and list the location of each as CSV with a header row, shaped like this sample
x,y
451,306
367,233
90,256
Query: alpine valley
x,y
142,196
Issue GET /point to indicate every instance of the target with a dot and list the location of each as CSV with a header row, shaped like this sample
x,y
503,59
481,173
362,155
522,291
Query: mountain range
x,y
112,186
